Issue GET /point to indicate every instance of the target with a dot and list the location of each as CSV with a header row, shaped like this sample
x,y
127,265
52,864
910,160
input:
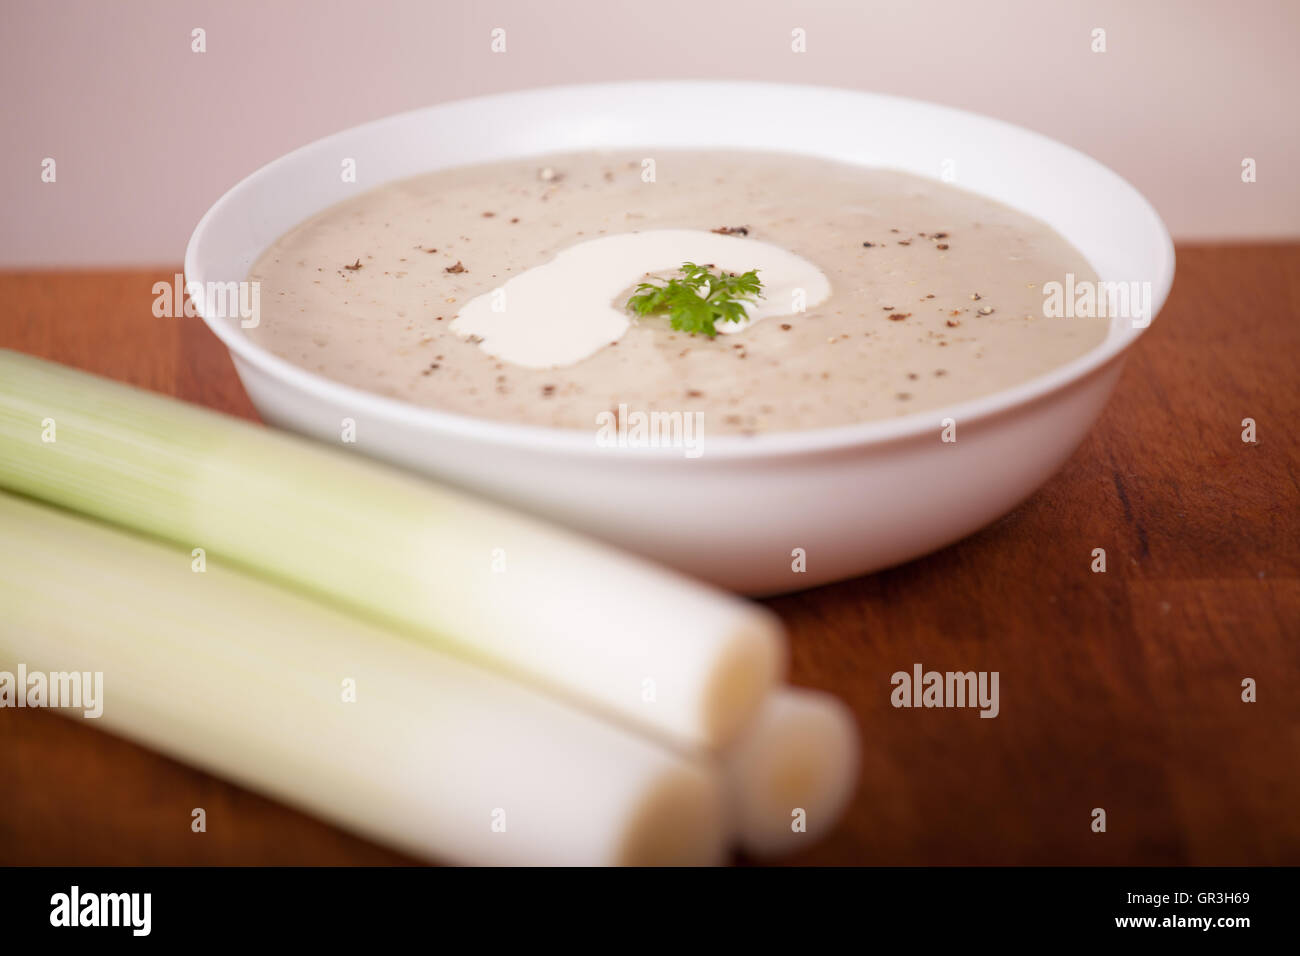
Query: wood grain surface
x,y
1119,690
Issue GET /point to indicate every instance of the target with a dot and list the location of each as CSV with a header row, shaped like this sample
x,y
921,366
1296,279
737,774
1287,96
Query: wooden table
x,y
1119,690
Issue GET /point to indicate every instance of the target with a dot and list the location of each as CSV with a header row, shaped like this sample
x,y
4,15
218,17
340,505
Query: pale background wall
x,y
147,134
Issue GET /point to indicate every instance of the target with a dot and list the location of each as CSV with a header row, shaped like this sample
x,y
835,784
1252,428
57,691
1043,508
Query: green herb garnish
x,y
699,299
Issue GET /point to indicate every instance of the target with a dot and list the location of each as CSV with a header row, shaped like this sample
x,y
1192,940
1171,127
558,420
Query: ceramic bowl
x,y
854,498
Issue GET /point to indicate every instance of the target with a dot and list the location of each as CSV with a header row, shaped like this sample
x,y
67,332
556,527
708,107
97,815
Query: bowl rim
x,y
581,442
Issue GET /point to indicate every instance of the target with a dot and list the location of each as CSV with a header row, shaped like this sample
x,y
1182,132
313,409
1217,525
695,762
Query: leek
x,y
434,755
791,772
581,620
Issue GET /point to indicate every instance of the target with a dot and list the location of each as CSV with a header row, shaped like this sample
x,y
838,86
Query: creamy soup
x,y
499,291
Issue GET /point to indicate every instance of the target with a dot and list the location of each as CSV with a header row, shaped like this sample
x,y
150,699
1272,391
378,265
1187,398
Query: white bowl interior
x,y
1097,211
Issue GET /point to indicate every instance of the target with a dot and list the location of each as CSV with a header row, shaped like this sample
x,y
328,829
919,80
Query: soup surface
x,y
935,294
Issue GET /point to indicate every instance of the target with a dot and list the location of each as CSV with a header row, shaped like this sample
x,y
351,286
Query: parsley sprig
x,y
699,299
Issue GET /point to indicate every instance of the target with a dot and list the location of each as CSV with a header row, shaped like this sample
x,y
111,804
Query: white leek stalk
x,y
436,756
791,773
604,629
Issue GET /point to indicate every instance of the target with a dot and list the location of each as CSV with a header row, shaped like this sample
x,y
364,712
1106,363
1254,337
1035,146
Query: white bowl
x,y
856,498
